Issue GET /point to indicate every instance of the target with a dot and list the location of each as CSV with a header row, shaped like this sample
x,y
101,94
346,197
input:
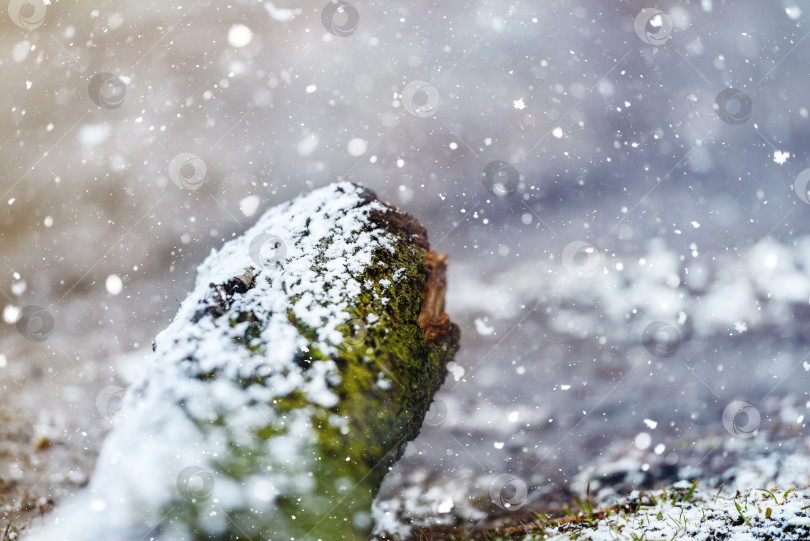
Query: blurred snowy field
x,y
647,272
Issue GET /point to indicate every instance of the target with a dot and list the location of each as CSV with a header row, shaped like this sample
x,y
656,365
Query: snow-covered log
x,y
289,382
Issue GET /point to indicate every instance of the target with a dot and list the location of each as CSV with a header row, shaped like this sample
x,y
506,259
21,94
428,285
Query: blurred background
x,y
620,187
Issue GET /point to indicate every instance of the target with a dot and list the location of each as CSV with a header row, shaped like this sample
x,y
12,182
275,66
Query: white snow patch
x,y
445,506
714,294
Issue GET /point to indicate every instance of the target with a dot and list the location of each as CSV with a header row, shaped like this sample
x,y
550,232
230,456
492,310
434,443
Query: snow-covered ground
x,y
685,291
714,384
689,511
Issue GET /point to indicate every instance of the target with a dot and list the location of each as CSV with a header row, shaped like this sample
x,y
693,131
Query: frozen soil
x,y
17,505
49,435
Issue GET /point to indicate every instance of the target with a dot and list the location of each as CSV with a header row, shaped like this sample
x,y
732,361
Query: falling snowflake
x,y
780,157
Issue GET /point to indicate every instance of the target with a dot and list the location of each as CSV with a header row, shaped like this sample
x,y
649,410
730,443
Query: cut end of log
x,y
433,320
